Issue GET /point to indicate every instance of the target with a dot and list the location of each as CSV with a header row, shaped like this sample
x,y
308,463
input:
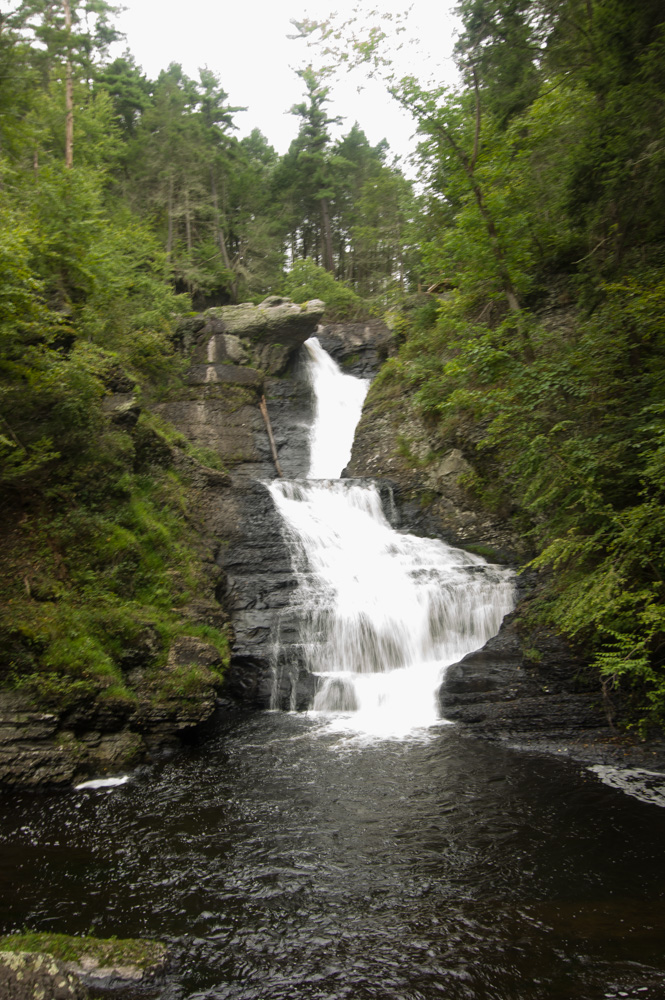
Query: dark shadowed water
x,y
284,861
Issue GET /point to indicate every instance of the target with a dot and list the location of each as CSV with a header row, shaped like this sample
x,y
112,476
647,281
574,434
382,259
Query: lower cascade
x,y
380,613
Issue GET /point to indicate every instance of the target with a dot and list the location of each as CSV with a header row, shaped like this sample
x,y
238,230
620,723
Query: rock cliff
x,y
430,475
524,685
239,357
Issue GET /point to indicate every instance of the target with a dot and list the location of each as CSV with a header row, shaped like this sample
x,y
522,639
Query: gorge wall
x,y
525,685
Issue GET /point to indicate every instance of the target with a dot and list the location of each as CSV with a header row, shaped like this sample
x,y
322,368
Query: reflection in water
x,y
285,862
647,786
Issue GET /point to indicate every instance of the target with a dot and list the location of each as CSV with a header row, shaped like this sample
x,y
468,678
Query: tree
x,y
313,163
129,91
499,50
73,38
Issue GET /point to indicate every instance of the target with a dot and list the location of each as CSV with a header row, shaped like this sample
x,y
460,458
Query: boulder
x,y
269,333
31,976
505,690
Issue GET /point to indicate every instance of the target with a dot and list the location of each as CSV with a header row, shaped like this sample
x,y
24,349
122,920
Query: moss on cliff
x,y
95,573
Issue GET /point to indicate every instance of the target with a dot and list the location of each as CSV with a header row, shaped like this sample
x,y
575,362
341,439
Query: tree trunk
x,y
326,238
169,237
69,96
188,223
220,237
468,166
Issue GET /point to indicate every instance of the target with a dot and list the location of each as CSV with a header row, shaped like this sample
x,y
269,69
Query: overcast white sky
x,y
245,43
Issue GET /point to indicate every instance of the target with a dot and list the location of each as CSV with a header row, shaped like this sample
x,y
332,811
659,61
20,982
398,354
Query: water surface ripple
x,y
285,862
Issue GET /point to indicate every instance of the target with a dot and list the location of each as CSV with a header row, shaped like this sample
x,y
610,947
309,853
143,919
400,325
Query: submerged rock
x,y
337,694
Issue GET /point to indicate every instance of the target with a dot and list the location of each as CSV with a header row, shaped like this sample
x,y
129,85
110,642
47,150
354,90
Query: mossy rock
x,y
131,959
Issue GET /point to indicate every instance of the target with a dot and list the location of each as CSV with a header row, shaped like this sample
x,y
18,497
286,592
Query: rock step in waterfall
x,y
380,613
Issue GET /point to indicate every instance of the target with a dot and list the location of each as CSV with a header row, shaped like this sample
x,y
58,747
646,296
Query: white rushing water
x,y
381,612
339,402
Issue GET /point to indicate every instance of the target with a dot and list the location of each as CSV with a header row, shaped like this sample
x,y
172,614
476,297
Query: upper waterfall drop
x,y
339,403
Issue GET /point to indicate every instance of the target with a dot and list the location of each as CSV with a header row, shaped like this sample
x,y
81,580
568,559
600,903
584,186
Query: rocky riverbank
x,y
62,967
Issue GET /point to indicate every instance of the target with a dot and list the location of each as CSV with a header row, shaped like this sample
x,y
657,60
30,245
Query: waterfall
x,y
339,402
381,613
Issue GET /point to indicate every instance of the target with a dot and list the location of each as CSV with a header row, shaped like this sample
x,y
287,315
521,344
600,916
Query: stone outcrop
x,y
511,687
239,354
529,689
259,582
358,348
30,976
104,736
29,753
430,475
266,335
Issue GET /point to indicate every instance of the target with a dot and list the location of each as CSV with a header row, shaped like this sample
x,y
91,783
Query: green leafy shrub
x,y
306,280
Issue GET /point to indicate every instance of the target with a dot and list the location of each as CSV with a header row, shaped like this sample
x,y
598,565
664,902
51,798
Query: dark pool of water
x,y
283,863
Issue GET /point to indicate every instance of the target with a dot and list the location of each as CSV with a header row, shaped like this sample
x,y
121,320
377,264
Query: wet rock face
x,y
29,756
258,585
221,413
358,348
266,666
500,691
430,478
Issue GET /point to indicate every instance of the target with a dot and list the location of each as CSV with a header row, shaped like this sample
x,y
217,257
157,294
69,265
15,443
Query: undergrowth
x,y
105,558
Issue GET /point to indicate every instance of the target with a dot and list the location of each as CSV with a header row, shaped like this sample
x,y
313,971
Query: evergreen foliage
x,y
124,203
